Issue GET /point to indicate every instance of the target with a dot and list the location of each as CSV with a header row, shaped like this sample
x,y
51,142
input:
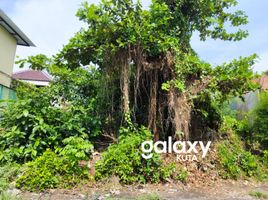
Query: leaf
x,y
25,113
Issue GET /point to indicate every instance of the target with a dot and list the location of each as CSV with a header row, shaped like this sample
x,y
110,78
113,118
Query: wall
x,y
6,93
8,47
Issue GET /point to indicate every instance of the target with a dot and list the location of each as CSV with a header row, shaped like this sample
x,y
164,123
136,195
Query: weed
x,y
8,174
152,196
125,160
50,171
7,196
258,194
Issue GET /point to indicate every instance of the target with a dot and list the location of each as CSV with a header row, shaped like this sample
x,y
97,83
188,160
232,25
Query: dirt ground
x,y
112,190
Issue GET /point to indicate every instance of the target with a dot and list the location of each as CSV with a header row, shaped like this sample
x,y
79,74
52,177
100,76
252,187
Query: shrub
x,y
231,125
260,125
172,170
76,149
265,158
8,173
41,120
125,161
236,161
181,175
50,171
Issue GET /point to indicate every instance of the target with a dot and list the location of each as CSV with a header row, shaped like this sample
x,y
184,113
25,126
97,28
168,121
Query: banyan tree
x,y
150,72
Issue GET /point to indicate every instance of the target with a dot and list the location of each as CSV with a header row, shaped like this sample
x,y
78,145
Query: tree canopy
x,y
149,72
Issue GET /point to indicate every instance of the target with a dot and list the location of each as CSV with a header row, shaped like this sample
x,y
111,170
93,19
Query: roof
x,y
32,75
263,81
12,28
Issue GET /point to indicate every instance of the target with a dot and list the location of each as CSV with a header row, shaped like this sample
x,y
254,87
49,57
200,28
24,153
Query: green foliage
x,y
260,124
229,161
50,171
44,117
259,194
7,196
125,161
233,79
149,197
175,172
37,62
181,175
118,32
265,158
163,26
231,125
76,149
237,162
235,158
265,72
8,174
154,45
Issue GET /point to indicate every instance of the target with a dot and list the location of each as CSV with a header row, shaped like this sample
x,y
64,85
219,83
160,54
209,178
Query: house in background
x,y
263,82
37,78
10,37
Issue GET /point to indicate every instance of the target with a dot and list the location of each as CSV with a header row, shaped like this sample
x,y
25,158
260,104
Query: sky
x,y
51,23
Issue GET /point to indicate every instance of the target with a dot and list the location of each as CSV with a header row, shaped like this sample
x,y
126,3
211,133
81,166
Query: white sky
x,y
51,23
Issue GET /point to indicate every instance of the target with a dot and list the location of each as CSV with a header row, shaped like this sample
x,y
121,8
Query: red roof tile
x,y
263,81
32,75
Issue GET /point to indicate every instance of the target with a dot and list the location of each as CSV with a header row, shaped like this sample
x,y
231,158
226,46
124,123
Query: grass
x,y
259,194
149,197
143,197
7,196
8,173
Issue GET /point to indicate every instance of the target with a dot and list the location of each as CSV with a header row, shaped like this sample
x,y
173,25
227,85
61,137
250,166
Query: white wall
x,y
8,45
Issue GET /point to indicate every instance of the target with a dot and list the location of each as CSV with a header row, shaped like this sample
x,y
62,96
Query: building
x,y
38,78
10,37
263,82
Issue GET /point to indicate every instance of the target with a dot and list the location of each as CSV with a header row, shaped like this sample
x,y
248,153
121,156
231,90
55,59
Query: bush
x,y
260,125
41,120
172,170
50,171
125,161
8,173
238,162
265,158
76,149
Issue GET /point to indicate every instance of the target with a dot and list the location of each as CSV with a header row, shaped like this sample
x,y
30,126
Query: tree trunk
x,y
179,114
125,84
152,108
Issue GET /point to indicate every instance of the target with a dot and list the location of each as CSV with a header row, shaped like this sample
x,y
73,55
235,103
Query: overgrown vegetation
x,y
8,174
44,117
260,125
146,75
7,196
124,160
51,171
60,118
236,160
147,55
259,194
